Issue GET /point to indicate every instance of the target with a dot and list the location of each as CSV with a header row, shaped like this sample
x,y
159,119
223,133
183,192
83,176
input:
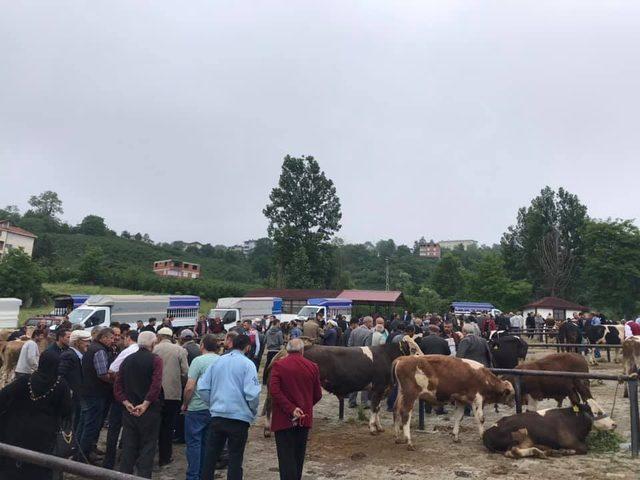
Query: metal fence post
x,y
518,390
341,408
421,404
609,355
635,420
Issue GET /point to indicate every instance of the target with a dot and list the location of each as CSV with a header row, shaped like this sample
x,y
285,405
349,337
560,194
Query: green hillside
x,y
121,253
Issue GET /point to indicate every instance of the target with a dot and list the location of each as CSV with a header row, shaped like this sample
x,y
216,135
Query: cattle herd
x,y
440,380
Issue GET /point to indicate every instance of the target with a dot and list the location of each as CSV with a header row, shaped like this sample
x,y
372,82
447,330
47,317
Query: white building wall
x,y
12,240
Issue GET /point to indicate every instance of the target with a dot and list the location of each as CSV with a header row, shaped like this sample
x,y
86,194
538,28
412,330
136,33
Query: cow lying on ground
x,y
558,430
604,335
506,350
535,389
440,379
630,358
344,370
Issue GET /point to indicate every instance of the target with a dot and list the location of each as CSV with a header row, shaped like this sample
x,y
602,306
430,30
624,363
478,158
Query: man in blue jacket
x,y
231,389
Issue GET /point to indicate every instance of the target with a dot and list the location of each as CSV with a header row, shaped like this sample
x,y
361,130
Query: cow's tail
x,y
394,377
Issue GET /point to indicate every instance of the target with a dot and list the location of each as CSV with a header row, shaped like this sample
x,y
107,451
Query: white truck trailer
x,y
101,310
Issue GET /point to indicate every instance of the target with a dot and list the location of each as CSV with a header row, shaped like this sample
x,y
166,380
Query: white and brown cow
x,y
440,379
557,430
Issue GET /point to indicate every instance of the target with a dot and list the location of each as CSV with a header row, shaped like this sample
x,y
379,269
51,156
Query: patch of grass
x,y
362,417
604,442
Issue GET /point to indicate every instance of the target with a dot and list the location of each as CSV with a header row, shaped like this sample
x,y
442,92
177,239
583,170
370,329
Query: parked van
x,y
101,310
9,312
233,309
466,308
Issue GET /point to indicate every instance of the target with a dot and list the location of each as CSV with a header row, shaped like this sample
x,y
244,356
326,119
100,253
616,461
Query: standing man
x,y
138,387
95,390
296,332
202,326
295,388
516,323
361,337
70,368
474,347
353,324
117,409
62,342
312,330
248,330
30,354
151,326
231,389
188,343
274,339
197,417
174,371
139,326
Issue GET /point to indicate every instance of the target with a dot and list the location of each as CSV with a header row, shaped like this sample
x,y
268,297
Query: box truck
x,y
230,310
9,311
101,310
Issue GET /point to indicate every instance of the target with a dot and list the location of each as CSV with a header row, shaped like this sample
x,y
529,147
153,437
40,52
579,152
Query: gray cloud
x,y
433,118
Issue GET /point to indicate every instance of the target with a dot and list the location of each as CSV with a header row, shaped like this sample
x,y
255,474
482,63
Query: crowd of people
x,y
152,388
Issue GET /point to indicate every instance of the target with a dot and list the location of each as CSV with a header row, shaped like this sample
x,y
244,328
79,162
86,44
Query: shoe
x,y
164,464
222,464
366,407
95,459
442,411
353,405
99,451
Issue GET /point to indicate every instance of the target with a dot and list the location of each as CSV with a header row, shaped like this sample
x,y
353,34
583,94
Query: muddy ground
x,y
346,450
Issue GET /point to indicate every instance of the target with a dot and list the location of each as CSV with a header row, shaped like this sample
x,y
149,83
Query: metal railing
x,y
58,464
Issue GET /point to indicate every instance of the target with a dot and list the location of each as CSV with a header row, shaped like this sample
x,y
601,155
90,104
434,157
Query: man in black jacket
x,y
62,342
70,368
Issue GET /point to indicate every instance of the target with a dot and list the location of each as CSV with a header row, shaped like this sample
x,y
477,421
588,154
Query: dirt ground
x,y
346,450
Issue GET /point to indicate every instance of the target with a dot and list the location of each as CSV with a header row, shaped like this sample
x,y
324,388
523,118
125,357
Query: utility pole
x,y
386,274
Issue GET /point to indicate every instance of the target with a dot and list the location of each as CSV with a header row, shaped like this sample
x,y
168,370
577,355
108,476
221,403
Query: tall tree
x,y
93,225
47,204
11,213
303,213
20,277
559,215
447,278
611,274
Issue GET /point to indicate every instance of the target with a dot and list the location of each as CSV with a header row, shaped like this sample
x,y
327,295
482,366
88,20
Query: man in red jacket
x,y
295,388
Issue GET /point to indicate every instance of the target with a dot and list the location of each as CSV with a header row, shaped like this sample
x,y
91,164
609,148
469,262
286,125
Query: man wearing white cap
x,y
70,368
174,375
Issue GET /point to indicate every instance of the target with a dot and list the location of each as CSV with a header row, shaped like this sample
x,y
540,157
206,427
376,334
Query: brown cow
x,y
535,389
630,358
440,379
9,354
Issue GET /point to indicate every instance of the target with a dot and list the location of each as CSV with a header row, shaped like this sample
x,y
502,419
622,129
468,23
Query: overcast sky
x,y
434,118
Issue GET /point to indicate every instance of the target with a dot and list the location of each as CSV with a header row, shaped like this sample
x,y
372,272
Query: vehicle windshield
x,y
79,315
227,316
308,311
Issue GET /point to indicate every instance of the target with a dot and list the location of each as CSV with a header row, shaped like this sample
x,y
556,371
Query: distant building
x,y
248,246
175,268
237,248
15,237
197,245
429,249
452,244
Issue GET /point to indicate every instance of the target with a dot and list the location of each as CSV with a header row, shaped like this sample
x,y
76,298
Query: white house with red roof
x,y
15,237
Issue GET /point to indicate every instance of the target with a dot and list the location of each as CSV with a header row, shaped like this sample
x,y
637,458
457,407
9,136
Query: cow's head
x,y
601,421
408,346
508,393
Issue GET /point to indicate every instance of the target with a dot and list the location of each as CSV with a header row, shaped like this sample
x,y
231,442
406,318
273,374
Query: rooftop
x,y
6,226
555,302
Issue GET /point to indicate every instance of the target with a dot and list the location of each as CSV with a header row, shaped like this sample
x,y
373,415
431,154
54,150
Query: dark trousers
x,y
170,410
113,434
18,375
270,355
291,445
139,439
223,430
93,418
